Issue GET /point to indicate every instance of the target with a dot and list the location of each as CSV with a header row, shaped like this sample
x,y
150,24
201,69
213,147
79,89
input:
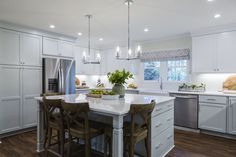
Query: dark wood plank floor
x,y
186,145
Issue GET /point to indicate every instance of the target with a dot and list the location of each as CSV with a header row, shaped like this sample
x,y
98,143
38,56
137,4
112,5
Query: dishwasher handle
x,y
184,97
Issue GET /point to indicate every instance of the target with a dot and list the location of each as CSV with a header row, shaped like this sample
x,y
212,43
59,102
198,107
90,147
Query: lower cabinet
x,y
213,113
19,85
212,117
31,88
232,116
162,131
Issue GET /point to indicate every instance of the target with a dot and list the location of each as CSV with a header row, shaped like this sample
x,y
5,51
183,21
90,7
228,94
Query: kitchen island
x,y
162,126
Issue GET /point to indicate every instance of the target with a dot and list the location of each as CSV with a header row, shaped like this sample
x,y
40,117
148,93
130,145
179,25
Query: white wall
x,y
214,82
91,80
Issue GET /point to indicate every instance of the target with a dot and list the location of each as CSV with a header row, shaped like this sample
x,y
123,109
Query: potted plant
x,y
118,79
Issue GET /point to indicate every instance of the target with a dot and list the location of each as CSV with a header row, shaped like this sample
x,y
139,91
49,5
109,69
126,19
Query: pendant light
x,y
87,57
132,54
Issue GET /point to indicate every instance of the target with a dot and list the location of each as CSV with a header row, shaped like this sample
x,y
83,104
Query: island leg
x,y
40,128
117,147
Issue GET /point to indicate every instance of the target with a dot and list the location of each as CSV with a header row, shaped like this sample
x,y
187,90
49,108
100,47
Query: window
x,y
151,71
177,70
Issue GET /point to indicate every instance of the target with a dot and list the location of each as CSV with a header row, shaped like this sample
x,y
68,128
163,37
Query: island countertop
x,y
115,107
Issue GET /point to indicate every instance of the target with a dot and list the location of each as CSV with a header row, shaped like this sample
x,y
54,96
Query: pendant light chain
x,y
132,54
128,25
89,34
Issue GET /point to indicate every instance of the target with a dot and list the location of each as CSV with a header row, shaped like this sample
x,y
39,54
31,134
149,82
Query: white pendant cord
x,y
128,25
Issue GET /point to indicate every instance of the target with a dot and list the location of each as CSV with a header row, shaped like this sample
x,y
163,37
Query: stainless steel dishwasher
x,y
186,110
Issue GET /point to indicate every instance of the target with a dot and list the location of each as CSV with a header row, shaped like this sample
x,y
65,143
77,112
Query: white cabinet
x,y
214,53
31,87
213,113
20,48
204,54
19,85
114,64
66,49
232,116
10,99
226,52
31,50
50,46
9,47
88,69
54,47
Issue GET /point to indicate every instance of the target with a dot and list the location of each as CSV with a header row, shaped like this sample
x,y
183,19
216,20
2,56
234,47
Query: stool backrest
x,y
144,111
53,110
77,113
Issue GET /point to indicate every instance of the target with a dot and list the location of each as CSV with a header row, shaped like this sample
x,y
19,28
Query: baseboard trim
x,y
187,129
17,132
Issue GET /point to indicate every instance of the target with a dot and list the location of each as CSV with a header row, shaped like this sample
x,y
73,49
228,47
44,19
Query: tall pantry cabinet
x,y
20,79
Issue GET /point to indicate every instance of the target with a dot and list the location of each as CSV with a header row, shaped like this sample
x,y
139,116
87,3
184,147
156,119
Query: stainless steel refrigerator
x,y
58,76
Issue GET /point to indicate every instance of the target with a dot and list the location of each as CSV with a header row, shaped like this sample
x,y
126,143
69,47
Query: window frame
x,y
164,73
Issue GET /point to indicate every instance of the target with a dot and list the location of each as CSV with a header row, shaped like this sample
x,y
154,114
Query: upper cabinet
x,y
31,50
20,48
54,47
214,53
88,69
226,46
50,46
9,47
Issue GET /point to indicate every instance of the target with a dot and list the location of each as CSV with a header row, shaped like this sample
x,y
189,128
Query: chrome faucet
x,y
161,84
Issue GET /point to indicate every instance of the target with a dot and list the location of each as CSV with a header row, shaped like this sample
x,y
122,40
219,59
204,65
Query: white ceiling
x,y
164,18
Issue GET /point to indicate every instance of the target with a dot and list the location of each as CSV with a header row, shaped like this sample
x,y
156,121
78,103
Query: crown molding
x,y
214,30
29,30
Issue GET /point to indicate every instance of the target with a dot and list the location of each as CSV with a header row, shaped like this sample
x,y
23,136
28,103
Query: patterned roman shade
x,y
166,55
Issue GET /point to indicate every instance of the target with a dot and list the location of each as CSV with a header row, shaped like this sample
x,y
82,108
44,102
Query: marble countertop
x,y
114,107
216,93
106,88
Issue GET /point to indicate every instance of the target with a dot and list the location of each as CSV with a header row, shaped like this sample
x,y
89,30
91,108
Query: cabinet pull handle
x,y
169,119
157,147
157,126
159,109
169,105
211,99
169,137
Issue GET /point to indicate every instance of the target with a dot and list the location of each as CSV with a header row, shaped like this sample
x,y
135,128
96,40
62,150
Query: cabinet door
x,y
9,47
232,117
212,117
10,99
204,54
31,88
50,46
78,52
31,50
226,52
66,49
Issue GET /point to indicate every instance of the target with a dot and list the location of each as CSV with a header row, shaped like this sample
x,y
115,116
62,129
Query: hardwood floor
x,y
186,145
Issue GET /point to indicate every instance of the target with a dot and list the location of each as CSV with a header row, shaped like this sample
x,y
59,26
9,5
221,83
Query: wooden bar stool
x,y
136,130
80,127
54,122
45,116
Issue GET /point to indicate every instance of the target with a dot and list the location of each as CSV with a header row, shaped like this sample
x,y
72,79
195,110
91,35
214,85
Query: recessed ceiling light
x,y
146,30
100,39
52,26
210,0
217,16
80,34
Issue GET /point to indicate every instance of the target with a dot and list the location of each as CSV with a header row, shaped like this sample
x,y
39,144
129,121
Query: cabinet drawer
x,y
162,143
162,122
160,108
213,99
